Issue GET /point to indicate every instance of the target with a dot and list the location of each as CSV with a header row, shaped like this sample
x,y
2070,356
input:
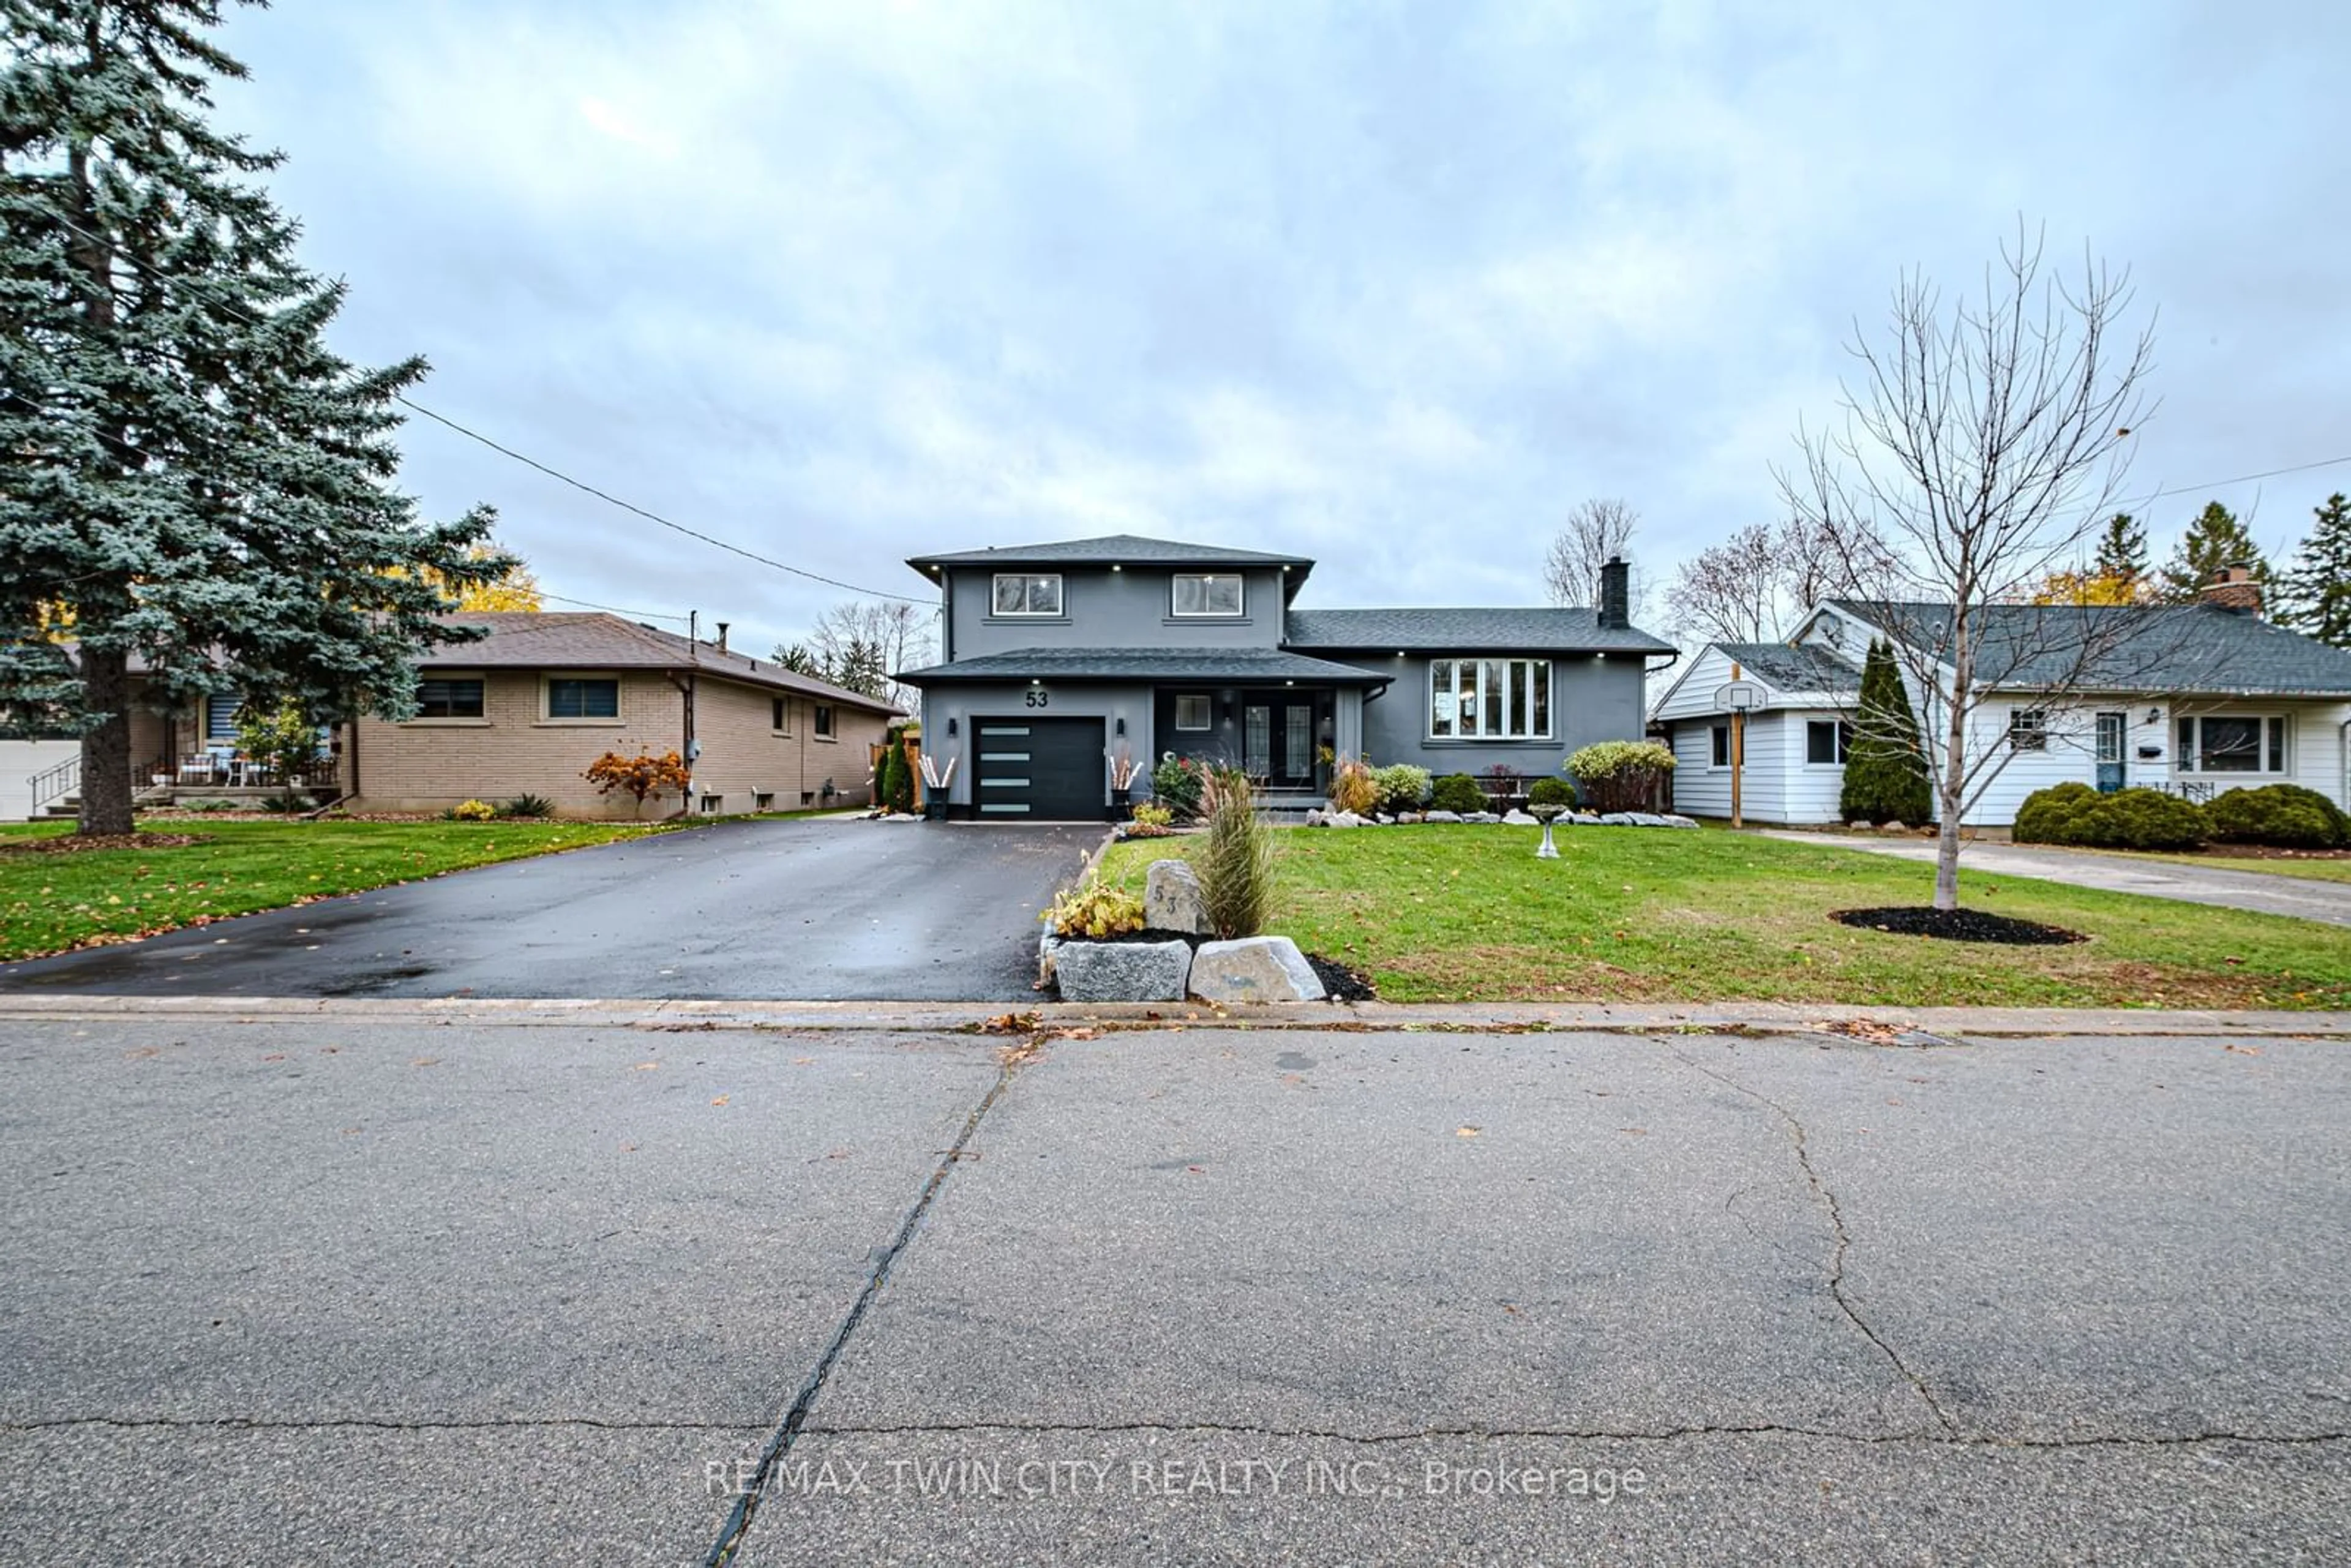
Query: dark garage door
x,y
1038,770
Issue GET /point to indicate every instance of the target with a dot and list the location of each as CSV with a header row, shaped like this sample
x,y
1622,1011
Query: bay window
x,y
1489,699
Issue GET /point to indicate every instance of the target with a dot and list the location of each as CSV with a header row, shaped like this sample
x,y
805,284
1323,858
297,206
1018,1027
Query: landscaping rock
x,y
1616,819
1254,969
1411,816
1442,817
1383,820
1582,818
1344,819
1483,818
1122,971
1315,815
1647,819
1675,819
1519,820
1892,827
1172,899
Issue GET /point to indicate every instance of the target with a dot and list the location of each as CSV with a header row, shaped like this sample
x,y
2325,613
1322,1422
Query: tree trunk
x,y
105,785
1949,797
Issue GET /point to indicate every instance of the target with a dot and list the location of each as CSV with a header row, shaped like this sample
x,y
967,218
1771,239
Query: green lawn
x,y
1463,913
51,902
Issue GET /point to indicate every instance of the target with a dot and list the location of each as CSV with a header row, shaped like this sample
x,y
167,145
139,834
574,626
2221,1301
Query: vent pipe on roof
x,y
722,636
1615,595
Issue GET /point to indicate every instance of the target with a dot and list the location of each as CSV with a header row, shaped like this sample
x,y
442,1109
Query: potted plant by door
x,y
1122,770
936,776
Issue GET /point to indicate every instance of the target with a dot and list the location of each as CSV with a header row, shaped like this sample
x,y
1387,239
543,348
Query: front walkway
x,y
2252,889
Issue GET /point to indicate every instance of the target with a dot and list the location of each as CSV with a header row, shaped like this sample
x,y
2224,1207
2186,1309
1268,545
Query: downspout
x,y
2343,759
693,675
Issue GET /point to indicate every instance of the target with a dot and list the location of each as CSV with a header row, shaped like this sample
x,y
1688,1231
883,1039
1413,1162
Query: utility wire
x,y
402,398
614,609
2248,479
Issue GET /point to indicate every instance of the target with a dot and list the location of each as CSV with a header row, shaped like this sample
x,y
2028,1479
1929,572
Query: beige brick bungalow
x,y
530,706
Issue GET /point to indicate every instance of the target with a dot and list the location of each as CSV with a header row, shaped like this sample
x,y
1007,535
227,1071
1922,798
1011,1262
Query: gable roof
x,y
539,640
1513,631
2195,649
1787,669
1113,549
1145,664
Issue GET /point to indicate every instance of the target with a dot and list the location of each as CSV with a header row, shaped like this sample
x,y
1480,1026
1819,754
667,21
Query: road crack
x,y
1828,1201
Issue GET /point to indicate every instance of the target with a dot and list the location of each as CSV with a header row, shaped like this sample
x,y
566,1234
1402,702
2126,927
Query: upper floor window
x,y
583,696
1208,593
1489,699
442,696
1027,593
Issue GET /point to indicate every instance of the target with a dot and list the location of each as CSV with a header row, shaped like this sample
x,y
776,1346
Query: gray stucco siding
x,y
1591,699
1107,702
1130,607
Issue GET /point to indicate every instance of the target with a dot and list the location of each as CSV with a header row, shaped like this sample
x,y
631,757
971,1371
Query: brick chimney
x,y
1615,595
2232,588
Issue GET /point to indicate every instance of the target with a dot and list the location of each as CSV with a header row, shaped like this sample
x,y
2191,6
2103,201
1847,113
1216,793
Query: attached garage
x,y
1037,769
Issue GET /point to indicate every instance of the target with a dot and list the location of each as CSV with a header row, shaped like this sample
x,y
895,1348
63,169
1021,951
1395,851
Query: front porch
x,y
215,775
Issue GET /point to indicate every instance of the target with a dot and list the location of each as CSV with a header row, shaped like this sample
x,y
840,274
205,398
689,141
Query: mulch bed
x,y
1957,925
72,843
1344,982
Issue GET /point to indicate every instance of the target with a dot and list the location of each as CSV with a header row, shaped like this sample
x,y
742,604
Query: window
x,y
1019,593
2233,743
1192,712
1208,593
449,697
2027,729
583,696
220,718
1489,699
823,721
1721,733
779,715
1826,742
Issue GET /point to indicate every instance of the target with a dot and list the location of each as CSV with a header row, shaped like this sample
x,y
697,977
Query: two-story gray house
x,y
1059,659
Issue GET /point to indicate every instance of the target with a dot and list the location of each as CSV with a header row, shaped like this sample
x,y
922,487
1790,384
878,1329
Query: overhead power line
x,y
2248,479
553,473
614,609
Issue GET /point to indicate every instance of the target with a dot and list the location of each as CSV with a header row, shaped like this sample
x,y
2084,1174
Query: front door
x,y
2111,729
1278,743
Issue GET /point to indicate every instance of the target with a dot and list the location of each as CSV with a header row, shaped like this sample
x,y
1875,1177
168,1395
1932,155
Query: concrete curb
x,y
1774,1018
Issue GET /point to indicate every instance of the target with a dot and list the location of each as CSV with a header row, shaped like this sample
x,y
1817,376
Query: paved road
x,y
362,1290
802,910
2304,897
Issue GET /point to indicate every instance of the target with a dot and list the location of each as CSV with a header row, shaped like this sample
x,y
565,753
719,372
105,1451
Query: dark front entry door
x,y
2112,730
1037,769
1278,741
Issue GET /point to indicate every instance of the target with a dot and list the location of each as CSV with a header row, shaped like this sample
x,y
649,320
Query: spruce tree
x,y
2215,541
2316,589
2122,553
1884,767
189,476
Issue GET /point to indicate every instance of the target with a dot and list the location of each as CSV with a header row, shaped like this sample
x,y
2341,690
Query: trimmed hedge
x,y
1621,775
2126,819
1402,787
2286,816
1550,792
1457,792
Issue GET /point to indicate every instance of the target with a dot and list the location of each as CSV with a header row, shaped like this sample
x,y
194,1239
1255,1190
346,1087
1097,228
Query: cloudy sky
x,y
1392,286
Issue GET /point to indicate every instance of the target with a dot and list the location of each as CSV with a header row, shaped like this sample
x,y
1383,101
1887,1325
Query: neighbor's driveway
x,y
815,909
2252,889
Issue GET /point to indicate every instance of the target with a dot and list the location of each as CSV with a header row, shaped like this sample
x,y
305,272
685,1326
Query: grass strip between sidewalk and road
x,y
52,902
1440,912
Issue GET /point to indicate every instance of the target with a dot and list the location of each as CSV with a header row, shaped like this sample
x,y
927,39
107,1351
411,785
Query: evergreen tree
x,y
863,668
2316,589
2122,555
1884,767
188,475
800,660
2215,541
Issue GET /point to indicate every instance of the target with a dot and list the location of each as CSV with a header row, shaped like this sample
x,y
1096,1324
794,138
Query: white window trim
x,y
546,680
1238,613
1061,598
420,722
1428,700
1844,744
2185,763
1712,765
2039,729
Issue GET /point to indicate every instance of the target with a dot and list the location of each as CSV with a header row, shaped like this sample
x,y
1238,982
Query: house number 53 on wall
x,y
1038,699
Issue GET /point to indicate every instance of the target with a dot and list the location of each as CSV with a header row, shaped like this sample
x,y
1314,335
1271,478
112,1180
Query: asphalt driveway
x,y
815,909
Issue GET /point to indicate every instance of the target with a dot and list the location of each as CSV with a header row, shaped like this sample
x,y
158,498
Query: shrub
x,y
1236,861
1097,909
2126,819
473,812
1355,787
286,805
1402,787
898,779
2047,815
1621,775
641,775
2286,816
1177,781
1457,792
1150,815
1550,792
529,805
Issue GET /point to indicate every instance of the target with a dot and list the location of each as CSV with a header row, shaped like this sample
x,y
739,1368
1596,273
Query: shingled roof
x,y
1787,669
2199,650
593,641
1113,549
1145,664
1522,630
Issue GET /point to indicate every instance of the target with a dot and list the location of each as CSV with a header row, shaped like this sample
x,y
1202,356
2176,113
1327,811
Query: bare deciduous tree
x,y
853,636
1984,444
1730,592
1594,534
